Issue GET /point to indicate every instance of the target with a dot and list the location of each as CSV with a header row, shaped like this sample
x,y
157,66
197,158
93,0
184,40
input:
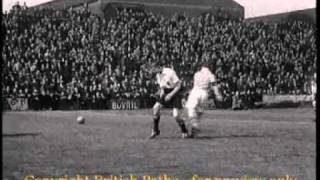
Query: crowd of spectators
x,y
74,55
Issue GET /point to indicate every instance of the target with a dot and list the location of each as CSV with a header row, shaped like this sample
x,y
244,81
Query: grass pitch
x,y
264,143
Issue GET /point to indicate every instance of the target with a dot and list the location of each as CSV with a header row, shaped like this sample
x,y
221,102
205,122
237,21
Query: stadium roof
x,y
253,8
67,3
166,7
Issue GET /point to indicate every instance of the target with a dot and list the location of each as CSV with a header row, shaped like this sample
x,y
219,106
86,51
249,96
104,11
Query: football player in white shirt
x,y
170,95
203,81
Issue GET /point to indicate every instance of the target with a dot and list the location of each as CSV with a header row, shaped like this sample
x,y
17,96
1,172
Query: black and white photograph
x,y
159,89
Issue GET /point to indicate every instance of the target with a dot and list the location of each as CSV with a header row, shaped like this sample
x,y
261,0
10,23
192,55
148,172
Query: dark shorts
x,y
174,102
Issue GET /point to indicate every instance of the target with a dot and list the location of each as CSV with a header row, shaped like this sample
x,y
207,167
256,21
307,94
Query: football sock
x,y
182,125
156,120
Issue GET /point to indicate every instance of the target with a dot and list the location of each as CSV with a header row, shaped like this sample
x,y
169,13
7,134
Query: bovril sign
x,y
18,104
125,104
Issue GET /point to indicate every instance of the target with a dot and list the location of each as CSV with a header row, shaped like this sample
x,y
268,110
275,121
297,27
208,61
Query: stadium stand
x,y
58,57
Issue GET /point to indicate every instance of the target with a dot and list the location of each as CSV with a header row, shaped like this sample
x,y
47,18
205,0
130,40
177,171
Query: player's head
x,y
203,64
157,69
206,64
159,65
154,68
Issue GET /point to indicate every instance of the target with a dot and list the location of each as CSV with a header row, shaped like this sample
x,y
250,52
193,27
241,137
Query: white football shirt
x,y
203,78
168,78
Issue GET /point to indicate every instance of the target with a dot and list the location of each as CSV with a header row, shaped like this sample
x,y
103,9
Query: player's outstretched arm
x,y
216,91
174,91
161,93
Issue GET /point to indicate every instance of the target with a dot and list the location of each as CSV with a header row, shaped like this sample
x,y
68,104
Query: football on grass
x,y
80,120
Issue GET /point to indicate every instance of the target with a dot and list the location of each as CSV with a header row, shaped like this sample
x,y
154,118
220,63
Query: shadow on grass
x,y
20,134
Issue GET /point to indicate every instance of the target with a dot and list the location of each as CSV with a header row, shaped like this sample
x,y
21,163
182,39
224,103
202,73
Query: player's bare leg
x,y
155,131
178,117
194,118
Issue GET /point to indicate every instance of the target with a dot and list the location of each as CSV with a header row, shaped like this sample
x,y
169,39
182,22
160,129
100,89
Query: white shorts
x,y
196,100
